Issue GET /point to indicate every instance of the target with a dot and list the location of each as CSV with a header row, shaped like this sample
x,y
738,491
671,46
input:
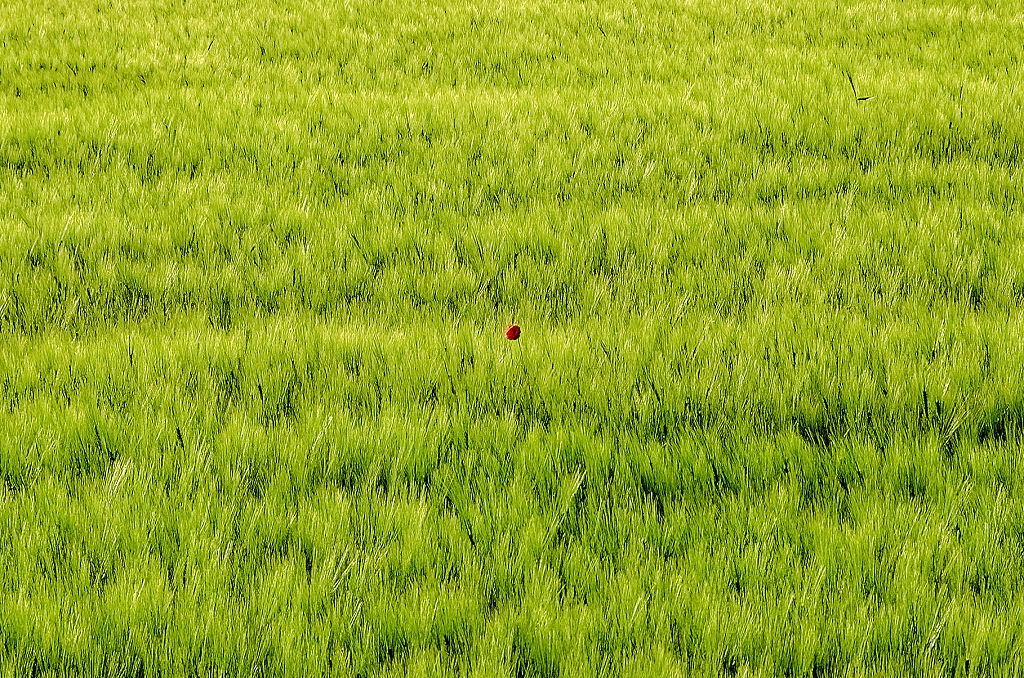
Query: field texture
x,y
258,415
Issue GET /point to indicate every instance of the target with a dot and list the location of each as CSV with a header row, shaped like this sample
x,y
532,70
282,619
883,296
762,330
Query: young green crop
x,y
258,415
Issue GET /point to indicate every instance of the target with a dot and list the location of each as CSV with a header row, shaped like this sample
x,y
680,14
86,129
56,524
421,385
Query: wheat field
x,y
258,414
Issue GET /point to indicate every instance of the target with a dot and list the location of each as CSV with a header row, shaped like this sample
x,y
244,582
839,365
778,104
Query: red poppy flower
x,y
512,332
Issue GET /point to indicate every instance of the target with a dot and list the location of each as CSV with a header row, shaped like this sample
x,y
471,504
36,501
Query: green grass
x,y
258,415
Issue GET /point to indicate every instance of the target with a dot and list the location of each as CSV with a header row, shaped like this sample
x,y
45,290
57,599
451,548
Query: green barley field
x,y
258,414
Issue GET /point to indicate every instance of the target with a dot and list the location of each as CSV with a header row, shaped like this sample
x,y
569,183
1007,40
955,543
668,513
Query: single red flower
x,y
512,332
